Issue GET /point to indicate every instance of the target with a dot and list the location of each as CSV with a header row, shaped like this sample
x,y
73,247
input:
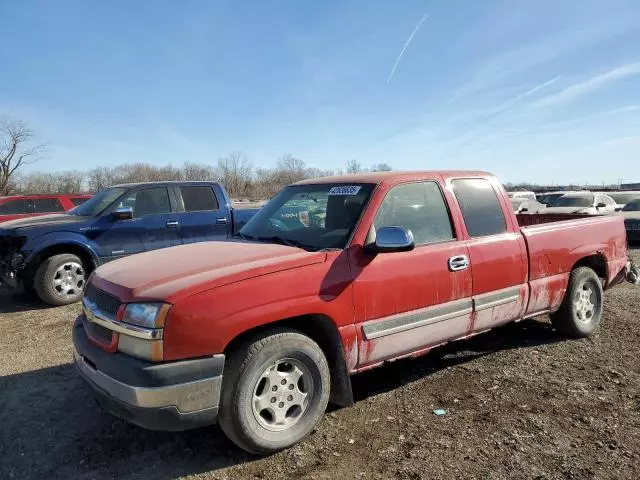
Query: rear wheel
x,y
275,391
60,279
581,310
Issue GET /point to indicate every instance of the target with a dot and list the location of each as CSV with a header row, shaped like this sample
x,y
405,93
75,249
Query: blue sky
x,y
543,91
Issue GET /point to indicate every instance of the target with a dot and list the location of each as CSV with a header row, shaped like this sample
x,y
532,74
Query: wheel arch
x,y
85,254
596,262
323,330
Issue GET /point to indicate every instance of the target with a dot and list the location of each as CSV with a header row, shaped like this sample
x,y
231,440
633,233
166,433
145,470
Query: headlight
x,y
148,315
16,260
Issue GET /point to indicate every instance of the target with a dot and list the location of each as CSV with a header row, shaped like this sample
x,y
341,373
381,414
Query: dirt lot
x,y
521,403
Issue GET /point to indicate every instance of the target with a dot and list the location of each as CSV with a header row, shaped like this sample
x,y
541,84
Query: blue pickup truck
x,y
55,254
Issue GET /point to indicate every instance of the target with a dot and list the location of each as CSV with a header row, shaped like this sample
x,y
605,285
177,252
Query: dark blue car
x,y
54,254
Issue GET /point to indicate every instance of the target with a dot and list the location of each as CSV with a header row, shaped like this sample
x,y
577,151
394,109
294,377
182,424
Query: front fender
x,y
39,244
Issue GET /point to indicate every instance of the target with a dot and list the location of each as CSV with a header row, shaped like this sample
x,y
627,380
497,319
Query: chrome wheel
x,y
584,303
282,394
68,280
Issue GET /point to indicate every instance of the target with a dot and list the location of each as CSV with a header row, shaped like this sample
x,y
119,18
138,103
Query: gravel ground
x,y
521,403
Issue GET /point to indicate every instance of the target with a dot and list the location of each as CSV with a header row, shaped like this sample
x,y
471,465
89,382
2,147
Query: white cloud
x,y
590,85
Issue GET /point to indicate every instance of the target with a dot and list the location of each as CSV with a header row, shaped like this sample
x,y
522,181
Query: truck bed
x,y
557,242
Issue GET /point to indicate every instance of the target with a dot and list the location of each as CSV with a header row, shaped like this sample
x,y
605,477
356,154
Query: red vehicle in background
x,y
24,206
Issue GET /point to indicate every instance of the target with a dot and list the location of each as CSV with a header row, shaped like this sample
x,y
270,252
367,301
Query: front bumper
x,y
8,275
168,396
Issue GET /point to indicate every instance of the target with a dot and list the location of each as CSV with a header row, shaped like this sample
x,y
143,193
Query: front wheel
x,y
60,279
275,391
581,310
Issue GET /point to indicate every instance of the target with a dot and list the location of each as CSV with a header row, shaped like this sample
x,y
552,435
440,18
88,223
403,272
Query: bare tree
x,y
381,167
354,166
196,171
15,152
291,169
235,173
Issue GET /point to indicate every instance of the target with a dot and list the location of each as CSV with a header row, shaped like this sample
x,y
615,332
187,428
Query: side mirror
x,y
392,239
125,213
602,205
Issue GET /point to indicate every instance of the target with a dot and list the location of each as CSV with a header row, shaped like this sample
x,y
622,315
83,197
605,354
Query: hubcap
x,y
584,303
68,281
282,394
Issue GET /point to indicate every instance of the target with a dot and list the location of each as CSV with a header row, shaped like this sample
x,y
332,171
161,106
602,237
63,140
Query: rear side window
x,y
197,199
13,207
419,207
47,205
78,201
480,207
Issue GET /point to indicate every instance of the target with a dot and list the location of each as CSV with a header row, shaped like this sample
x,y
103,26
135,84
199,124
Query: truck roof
x,y
46,195
392,177
165,182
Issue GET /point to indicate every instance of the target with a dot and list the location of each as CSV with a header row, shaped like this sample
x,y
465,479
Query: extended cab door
x,y
497,253
202,214
409,301
153,225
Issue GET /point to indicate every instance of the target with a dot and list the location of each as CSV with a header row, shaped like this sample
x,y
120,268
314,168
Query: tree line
x,y
235,171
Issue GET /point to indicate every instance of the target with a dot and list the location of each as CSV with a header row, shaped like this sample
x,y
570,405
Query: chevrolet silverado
x,y
259,333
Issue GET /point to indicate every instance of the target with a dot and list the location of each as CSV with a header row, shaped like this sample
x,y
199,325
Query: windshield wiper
x,y
286,241
244,236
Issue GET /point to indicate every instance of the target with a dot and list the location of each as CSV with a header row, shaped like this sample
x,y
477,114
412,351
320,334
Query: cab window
x,y
481,208
418,207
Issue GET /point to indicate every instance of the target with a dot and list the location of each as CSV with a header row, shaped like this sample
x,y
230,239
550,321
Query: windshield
x,y
550,199
633,206
582,201
313,217
624,198
97,204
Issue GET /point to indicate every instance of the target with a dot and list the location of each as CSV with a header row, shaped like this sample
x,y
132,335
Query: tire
x,y
60,279
581,310
260,414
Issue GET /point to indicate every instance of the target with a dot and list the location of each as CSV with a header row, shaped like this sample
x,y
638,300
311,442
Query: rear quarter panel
x,y
555,248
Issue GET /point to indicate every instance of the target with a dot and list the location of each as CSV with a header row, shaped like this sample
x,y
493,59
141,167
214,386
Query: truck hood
x,y
176,272
44,222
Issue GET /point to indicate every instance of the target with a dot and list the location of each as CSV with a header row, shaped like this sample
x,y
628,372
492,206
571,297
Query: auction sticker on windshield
x,y
345,190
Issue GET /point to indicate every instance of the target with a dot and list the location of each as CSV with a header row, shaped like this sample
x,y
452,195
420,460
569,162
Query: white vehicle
x,y
525,205
550,198
623,198
522,194
586,203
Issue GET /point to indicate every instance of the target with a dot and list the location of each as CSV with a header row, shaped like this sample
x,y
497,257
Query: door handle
x,y
173,224
459,262
221,220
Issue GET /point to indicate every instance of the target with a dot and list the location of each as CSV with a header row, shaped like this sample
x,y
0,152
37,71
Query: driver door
x,y
410,301
153,225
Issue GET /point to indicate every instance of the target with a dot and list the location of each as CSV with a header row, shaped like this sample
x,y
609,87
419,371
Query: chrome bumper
x,y
170,396
185,397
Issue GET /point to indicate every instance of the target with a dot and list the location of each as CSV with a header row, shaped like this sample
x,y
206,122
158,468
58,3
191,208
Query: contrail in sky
x,y
415,30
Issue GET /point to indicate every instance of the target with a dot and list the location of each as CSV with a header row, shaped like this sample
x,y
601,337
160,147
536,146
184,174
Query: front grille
x,y
105,302
99,332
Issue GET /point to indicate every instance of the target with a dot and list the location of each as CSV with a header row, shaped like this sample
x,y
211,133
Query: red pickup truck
x,y
260,332
23,206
